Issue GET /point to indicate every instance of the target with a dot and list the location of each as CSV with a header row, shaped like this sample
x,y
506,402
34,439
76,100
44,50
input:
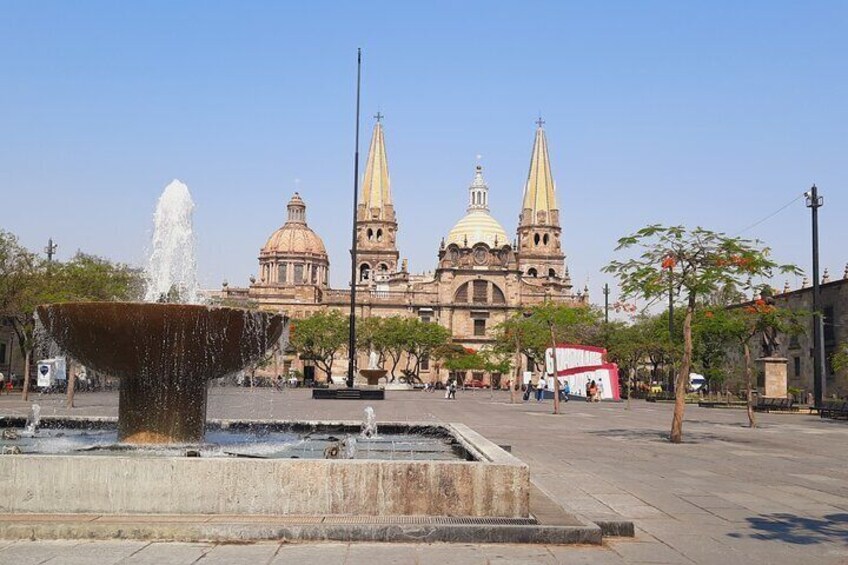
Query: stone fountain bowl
x,y
164,355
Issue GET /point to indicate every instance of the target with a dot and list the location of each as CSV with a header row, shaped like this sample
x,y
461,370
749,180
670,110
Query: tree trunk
x,y
517,378
629,388
680,384
72,381
556,375
752,421
25,392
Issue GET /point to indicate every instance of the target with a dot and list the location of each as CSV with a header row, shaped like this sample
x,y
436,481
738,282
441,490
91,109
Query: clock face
x,y
480,256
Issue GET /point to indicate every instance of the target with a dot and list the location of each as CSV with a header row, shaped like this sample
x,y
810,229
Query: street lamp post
x,y
814,202
351,346
606,303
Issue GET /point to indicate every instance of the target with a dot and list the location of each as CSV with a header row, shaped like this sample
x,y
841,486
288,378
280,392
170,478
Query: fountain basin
x,y
487,482
164,355
373,376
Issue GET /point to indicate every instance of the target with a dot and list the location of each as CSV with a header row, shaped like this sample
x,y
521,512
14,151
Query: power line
x,y
773,214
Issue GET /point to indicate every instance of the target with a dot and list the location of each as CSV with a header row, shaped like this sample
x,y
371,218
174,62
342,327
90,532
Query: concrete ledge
x,y
348,394
304,529
493,484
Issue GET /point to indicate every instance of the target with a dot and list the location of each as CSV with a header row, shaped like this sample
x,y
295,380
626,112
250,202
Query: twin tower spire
x,y
377,222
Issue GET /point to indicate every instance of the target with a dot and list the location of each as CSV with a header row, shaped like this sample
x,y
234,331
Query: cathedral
x,y
480,279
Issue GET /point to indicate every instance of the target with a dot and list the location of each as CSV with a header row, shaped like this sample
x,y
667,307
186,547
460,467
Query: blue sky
x,y
712,114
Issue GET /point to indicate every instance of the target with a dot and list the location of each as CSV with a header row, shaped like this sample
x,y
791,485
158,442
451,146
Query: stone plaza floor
x,y
729,494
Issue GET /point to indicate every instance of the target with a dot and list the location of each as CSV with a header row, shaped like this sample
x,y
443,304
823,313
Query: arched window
x,y
379,235
536,239
364,272
545,239
383,267
552,273
497,295
298,273
370,234
461,296
282,269
532,272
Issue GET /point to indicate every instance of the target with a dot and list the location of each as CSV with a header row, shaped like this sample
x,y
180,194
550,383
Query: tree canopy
x,y
692,264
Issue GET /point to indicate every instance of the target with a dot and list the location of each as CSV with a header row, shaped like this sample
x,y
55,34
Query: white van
x,y
696,382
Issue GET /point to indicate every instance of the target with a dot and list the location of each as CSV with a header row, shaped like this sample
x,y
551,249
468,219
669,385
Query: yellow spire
x,y
540,191
376,188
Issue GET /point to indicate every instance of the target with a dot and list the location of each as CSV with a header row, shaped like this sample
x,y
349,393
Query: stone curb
x,y
246,532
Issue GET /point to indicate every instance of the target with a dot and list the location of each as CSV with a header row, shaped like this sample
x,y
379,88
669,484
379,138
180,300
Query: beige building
x,y
480,279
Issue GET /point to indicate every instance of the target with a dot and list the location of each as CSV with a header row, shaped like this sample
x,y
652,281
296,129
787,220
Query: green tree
x,y
742,325
320,337
393,336
422,340
691,264
26,281
533,331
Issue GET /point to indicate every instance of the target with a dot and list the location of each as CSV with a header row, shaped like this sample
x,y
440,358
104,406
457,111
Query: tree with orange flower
x,y
691,264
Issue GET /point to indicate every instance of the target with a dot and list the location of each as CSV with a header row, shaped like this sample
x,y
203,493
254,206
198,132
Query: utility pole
x,y
814,202
606,303
50,250
351,344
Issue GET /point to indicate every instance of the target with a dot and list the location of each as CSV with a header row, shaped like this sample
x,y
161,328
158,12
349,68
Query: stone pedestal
x,y
774,369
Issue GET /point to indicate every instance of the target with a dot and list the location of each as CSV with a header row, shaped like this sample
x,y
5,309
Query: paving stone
x,y
519,554
173,553
238,554
324,553
647,552
383,553
33,552
101,552
439,554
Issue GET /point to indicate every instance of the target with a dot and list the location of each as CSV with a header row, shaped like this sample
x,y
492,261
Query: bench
x,y
775,404
836,410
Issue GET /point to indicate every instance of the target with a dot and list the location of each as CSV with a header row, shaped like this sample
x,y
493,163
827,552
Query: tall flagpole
x,y
351,344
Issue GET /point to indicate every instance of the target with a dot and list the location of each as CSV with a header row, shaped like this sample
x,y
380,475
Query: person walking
x,y
541,385
3,383
565,391
452,391
591,391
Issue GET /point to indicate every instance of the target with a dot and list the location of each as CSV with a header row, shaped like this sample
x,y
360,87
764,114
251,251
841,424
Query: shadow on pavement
x,y
799,530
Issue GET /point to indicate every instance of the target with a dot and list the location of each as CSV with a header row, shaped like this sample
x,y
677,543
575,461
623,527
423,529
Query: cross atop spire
x,y
378,116
540,122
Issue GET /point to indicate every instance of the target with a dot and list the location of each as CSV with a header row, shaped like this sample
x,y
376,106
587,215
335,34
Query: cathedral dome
x,y
295,237
478,225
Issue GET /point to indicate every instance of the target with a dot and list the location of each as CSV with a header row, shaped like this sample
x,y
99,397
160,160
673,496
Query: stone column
x,y
774,369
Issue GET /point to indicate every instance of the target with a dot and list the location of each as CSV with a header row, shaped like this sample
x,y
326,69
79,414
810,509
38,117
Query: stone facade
x,y
480,279
798,349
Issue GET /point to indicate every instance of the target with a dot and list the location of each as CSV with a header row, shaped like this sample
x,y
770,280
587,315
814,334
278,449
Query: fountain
x,y
164,354
369,423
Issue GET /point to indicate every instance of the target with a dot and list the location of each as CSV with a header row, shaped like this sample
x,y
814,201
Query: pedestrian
x,y
541,385
3,383
600,394
565,391
591,390
448,389
452,390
